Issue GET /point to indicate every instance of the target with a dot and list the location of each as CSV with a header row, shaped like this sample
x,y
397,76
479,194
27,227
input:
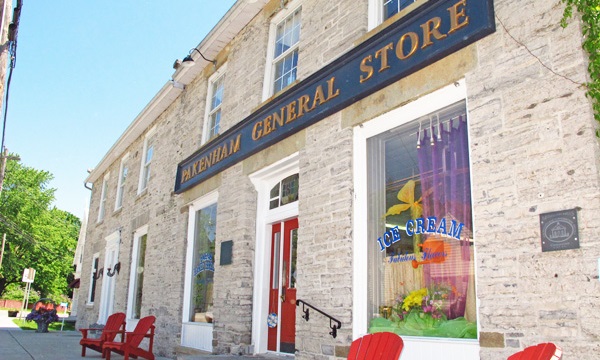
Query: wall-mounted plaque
x,y
226,252
559,230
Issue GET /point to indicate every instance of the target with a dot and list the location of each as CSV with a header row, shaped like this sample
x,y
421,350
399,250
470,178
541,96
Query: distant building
x,y
386,162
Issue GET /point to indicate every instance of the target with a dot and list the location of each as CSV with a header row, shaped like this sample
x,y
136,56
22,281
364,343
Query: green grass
x,y
31,325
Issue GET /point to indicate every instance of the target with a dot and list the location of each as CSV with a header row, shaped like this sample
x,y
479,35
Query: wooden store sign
x,y
424,36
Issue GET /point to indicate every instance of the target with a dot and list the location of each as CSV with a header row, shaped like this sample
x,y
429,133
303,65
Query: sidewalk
x,y
17,344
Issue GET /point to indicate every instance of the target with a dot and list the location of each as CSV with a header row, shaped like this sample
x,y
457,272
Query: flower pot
x,y
42,327
13,313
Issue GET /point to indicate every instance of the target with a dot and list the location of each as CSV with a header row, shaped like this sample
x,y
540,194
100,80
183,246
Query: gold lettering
x,y
383,53
291,112
185,175
224,152
268,125
431,27
368,69
330,86
278,118
257,131
195,169
234,146
303,105
319,96
414,39
455,16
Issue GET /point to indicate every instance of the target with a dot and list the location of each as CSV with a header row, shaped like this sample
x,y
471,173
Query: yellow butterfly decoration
x,y
407,196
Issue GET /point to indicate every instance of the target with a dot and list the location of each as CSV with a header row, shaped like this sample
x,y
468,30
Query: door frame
x,y
107,295
263,181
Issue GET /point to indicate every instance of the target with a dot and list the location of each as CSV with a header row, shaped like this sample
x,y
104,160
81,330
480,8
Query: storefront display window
x,y
203,264
420,262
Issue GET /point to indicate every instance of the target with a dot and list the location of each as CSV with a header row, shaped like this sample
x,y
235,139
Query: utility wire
x,y
13,30
28,237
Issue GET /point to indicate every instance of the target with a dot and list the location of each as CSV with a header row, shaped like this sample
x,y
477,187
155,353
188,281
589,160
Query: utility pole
x,y
2,173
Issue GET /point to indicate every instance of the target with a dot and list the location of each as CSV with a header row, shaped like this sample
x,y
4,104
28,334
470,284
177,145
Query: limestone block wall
x,y
156,207
533,151
325,238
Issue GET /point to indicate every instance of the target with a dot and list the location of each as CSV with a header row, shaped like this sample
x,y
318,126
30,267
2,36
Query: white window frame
x,y
121,183
268,86
145,166
214,78
420,107
198,204
93,271
103,196
137,235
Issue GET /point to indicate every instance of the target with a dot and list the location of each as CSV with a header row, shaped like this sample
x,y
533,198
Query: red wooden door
x,y
282,293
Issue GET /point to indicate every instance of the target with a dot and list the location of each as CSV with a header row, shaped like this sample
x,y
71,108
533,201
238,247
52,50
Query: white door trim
x,y
263,181
111,257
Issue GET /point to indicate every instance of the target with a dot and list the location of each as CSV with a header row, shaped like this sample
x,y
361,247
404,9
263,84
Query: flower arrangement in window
x,y
43,313
422,312
424,302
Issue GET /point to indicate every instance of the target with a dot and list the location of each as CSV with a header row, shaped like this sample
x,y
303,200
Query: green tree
x,y
590,18
38,236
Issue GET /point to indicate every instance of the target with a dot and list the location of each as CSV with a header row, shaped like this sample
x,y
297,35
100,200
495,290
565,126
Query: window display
x,y
420,228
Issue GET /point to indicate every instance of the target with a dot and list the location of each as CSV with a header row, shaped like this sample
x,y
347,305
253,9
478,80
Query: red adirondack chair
x,y
115,324
543,351
131,346
378,346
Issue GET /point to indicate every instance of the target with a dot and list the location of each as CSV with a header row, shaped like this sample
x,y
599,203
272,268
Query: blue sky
x,y
84,70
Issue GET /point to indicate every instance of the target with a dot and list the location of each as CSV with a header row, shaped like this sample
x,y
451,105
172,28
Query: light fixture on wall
x,y
114,271
98,274
188,61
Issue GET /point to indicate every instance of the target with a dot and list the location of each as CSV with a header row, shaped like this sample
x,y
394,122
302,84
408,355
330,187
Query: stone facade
x,y
532,150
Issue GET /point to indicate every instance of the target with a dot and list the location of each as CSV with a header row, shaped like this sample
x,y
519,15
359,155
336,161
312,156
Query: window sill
x,y
117,210
141,193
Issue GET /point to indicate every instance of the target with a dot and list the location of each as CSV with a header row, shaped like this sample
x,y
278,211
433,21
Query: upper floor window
x,y
285,192
283,50
213,109
123,171
147,155
381,10
103,195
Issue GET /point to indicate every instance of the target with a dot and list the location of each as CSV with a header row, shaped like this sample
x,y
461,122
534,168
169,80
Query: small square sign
x,y
226,252
559,230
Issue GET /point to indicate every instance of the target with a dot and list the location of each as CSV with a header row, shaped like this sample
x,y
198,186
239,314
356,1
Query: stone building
x,y
398,165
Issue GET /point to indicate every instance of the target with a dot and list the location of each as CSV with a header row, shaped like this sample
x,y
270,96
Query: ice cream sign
x,y
428,225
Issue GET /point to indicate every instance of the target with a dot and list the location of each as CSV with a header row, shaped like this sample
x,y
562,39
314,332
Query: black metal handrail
x,y
333,327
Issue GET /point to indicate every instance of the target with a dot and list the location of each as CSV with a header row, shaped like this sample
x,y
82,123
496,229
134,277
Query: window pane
x,y
139,277
420,240
285,71
392,7
217,93
215,119
288,33
204,264
289,189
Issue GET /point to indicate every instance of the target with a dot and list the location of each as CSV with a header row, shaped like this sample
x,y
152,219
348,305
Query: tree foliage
x,y
38,235
590,17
